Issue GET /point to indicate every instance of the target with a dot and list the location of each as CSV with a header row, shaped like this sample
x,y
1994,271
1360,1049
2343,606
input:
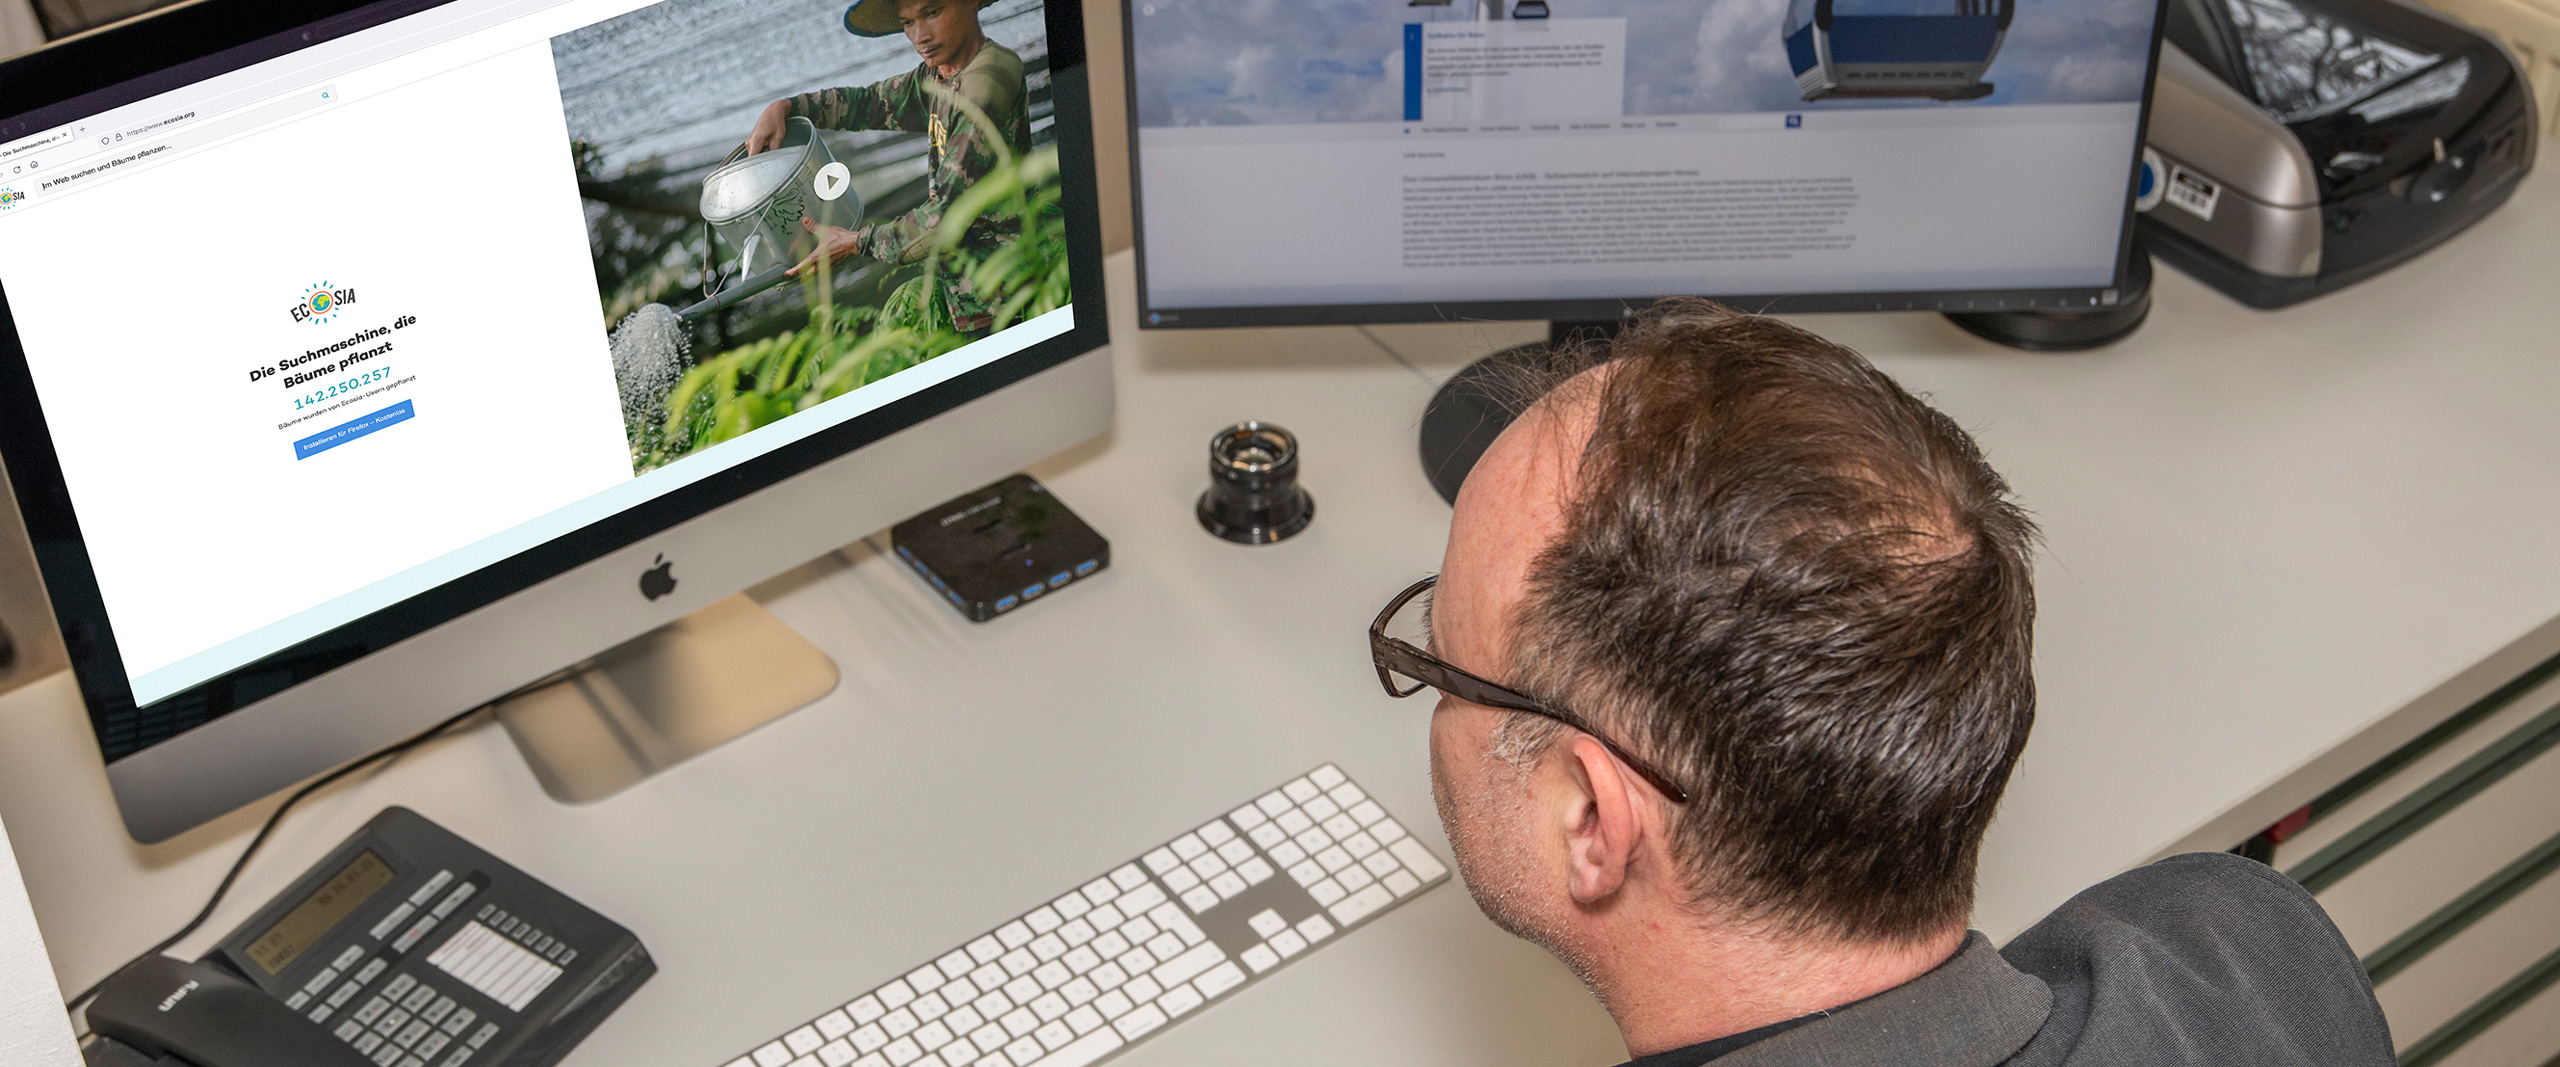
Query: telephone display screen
x,y
340,896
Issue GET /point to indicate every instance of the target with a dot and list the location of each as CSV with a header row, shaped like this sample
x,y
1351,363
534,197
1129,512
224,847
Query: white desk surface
x,y
2265,533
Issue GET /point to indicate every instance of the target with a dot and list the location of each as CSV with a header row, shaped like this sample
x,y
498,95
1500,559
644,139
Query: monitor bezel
x,y
135,60
1151,317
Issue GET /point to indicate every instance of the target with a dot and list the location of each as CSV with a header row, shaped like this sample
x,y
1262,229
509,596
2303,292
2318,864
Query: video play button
x,y
833,180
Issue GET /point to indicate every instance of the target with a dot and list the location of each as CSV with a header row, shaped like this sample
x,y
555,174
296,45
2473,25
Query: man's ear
x,y
1600,821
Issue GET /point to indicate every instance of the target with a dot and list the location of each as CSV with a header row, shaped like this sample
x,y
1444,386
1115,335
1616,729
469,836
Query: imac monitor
x,y
363,362
1416,160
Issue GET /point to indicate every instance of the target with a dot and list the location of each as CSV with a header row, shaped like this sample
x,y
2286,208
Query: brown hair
x,y
1805,593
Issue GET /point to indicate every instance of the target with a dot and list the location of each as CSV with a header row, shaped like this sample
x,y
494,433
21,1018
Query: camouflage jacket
x,y
959,155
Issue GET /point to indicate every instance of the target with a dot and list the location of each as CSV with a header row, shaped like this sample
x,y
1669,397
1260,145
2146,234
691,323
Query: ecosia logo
x,y
320,303
10,198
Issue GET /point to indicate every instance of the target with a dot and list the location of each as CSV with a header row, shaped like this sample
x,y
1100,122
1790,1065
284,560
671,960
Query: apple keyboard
x,y
1117,959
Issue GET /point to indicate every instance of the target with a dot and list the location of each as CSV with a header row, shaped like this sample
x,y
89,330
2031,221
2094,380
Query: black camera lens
x,y
1253,496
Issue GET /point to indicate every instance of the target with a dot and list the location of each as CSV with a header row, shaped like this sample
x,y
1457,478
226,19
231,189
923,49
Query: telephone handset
x,y
407,947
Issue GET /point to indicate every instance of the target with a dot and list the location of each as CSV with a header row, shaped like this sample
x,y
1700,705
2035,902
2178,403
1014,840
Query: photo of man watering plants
x,y
904,208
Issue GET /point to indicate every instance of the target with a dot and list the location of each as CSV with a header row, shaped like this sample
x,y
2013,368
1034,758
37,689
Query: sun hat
x,y
875,18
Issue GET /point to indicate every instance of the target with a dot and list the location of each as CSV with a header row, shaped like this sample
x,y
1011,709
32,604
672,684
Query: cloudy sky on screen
x,y
1255,62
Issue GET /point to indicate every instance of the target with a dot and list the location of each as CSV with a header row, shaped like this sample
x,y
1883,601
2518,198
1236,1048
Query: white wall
x,y
19,30
34,1032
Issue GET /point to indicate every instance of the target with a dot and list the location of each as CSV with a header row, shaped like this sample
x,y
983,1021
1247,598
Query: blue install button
x,y
350,430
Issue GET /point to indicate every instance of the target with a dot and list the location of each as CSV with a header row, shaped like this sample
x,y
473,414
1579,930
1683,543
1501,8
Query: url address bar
x,y
101,166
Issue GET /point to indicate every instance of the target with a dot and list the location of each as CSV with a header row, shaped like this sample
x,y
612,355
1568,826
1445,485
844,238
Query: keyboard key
x,y
1048,947
1106,918
346,991
1273,803
410,1034
1141,900
1401,883
772,1055
419,998
1328,776
1019,1021
1227,884
1178,1000
1315,928
1294,822
932,1035
1113,1004
1181,968
459,1021
1333,859
1235,851
321,1013
1216,833
1139,929
1287,943
1346,794
926,979
1208,865
1326,892
1014,934
1321,810
1315,840
1048,1006
1109,976
372,969
985,950
1025,1051
835,1054
1083,1019
1307,873
1128,878
1052,974
1099,891
989,1038
297,1000
1079,990
1180,925
1359,905
1189,847
388,1055
866,1008
1143,989
1071,905
1139,1021
1200,898
1225,976
436,1012
902,1052
1159,861
869,1038
1300,790
456,1059
1268,835
1076,931
1181,880
1261,958
1367,812
365,1045
1424,865
432,1044
1254,871
899,1023
1267,922
1248,817
1054,1034
931,1005
391,1023
1083,1050
1022,989
1354,878
1379,864
1342,827
1387,831
963,1019
350,1030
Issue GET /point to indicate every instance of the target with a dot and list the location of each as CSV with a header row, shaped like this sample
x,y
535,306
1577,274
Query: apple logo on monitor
x,y
659,580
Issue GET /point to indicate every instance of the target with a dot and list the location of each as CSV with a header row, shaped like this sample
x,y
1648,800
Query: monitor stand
x,y
664,697
2070,331
1477,403
1474,405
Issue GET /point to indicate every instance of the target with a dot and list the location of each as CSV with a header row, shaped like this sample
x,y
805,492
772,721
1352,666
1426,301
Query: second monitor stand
x,y
1477,403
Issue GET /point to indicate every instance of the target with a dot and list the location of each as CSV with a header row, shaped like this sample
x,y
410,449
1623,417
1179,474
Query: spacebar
x,y
1082,1050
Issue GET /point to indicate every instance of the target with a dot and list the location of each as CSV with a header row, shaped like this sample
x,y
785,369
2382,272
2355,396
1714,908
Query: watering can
x,y
754,203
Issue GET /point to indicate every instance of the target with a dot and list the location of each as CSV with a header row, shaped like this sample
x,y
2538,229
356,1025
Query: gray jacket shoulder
x,y
2201,958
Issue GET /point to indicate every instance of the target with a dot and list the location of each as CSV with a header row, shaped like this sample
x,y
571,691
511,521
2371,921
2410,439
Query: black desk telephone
x,y
407,947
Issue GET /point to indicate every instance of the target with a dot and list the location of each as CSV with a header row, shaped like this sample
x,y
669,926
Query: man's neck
x,y
967,52
1671,985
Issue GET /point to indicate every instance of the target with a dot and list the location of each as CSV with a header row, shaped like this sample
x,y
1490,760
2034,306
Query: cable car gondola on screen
x,y
1935,49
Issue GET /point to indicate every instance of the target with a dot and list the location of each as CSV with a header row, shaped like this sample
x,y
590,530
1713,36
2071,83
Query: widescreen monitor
x,y
1412,160
360,363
